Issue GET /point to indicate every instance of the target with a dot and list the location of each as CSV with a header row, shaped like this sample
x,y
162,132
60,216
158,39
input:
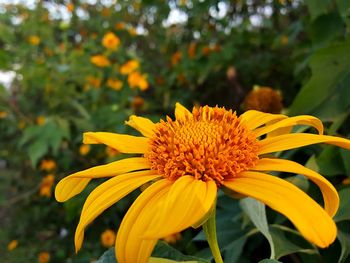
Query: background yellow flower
x,y
137,80
108,238
100,61
129,67
110,41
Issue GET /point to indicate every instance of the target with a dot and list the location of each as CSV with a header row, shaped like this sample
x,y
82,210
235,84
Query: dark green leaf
x,y
330,66
257,214
107,257
344,240
318,7
344,208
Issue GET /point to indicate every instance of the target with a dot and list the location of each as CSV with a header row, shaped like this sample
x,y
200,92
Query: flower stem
x,y
209,228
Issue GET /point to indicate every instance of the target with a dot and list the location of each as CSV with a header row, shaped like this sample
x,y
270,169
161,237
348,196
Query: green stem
x,y
209,228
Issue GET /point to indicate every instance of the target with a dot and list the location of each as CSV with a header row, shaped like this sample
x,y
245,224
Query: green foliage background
x,y
301,48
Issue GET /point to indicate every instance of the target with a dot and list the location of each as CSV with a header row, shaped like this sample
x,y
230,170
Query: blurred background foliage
x,y
87,65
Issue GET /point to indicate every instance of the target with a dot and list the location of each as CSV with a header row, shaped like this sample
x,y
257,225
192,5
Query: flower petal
x,y
187,202
307,216
330,194
254,119
76,183
285,123
129,246
181,113
295,140
121,142
143,125
106,195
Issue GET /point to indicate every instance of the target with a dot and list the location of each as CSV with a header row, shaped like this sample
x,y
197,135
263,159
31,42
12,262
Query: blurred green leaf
x,y
269,261
344,207
326,28
37,150
318,7
344,10
344,240
330,67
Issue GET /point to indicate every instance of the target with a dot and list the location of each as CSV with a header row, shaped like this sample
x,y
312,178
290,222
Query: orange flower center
x,y
210,145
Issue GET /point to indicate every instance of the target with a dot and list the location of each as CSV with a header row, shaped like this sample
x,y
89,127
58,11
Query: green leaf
x,y
330,67
344,207
326,28
269,261
107,257
344,10
36,151
257,214
288,241
163,250
344,240
162,253
318,7
330,161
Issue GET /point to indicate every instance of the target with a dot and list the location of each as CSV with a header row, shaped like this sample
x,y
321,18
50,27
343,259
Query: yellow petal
x,y
285,123
307,216
187,202
330,194
129,246
143,125
76,183
181,113
106,195
295,140
254,119
120,142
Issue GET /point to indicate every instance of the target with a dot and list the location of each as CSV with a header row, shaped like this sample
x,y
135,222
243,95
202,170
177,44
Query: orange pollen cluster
x,y
210,145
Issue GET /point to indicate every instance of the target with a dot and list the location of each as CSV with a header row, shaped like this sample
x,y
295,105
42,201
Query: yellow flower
x,y
132,31
129,67
21,125
346,181
110,41
47,165
137,103
176,57
115,84
70,7
46,185
284,40
12,245
192,50
40,120
108,238
84,149
135,79
105,12
173,238
111,152
119,26
231,73
263,99
3,114
189,160
44,257
34,40
93,81
100,61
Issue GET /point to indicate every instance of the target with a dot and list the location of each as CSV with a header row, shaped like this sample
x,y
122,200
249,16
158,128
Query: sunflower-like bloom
x,y
188,160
